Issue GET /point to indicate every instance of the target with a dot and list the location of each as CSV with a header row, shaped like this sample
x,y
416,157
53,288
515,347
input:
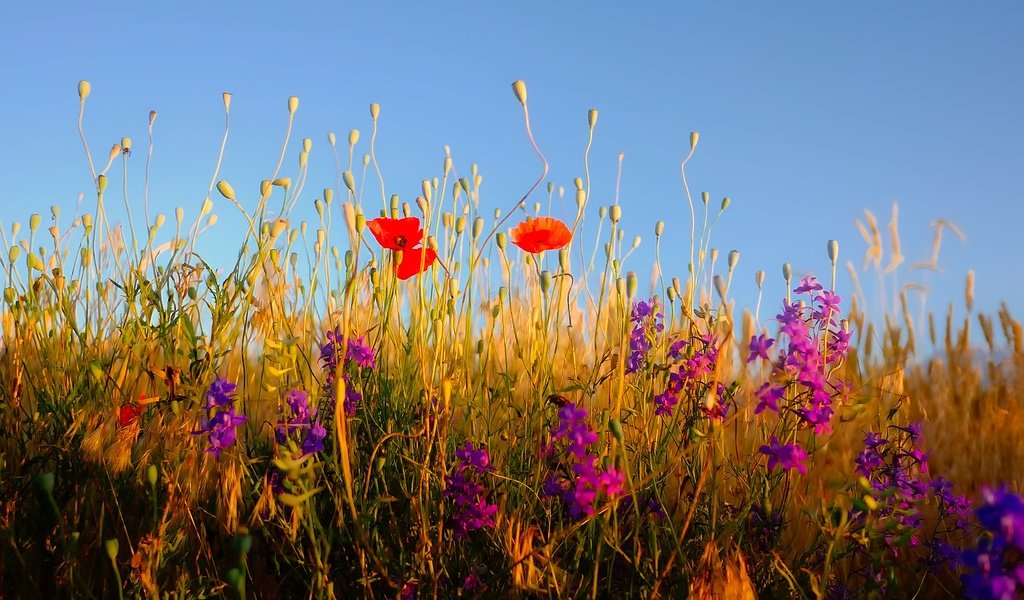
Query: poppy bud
x,y
631,284
659,228
374,111
331,139
833,251
353,138
84,89
350,181
307,144
759,278
694,137
293,104
545,282
226,97
519,88
592,117
328,195
734,257
705,198
225,189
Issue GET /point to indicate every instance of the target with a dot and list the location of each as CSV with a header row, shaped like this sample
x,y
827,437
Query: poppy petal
x,y
542,233
395,234
412,260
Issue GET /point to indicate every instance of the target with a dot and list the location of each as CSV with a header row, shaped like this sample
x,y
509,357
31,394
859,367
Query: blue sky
x,y
808,113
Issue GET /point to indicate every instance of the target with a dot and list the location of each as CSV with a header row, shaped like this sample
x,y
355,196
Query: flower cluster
x,y
996,566
357,352
471,509
816,343
891,522
302,421
579,480
223,420
647,326
693,377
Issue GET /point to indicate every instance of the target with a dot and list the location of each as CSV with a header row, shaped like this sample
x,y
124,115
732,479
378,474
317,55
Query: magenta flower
x,y
768,396
808,284
759,345
787,456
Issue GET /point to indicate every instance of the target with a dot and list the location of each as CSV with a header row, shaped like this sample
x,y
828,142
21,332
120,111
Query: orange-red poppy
x,y
128,414
542,233
405,236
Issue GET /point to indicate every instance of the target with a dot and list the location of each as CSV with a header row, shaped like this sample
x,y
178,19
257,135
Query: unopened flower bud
x,y
374,111
293,104
519,88
225,189
592,117
84,89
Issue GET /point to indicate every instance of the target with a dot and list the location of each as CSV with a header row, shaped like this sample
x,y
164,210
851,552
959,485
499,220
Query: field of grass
x,y
473,404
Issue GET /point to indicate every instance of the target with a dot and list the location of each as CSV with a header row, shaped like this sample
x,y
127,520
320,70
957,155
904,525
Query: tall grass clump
x,y
454,398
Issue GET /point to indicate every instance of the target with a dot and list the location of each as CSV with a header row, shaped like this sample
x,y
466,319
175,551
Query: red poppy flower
x,y
411,261
405,236
128,414
542,233
396,234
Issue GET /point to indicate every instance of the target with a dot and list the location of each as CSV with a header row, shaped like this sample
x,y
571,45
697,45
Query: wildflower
x,y
472,511
788,456
223,419
314,440
583,482
221,430
647,323
396,234
360,353
996,564
406,237
542,233
808,284
128,414
768,396
220,393
759,345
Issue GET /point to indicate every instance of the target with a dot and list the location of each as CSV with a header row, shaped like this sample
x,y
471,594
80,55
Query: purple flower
x,y
471,509
759,345
221,429
360,353
476,459
788,456
996,567
768,396
220,393
314,440
808,284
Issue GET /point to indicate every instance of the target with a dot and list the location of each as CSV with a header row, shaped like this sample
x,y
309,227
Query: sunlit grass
x,y
628,444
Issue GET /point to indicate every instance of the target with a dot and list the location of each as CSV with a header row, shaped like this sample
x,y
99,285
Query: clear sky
x,y
808,112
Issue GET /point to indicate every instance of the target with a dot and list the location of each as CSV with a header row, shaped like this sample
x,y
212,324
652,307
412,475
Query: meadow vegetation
x,y
454,397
